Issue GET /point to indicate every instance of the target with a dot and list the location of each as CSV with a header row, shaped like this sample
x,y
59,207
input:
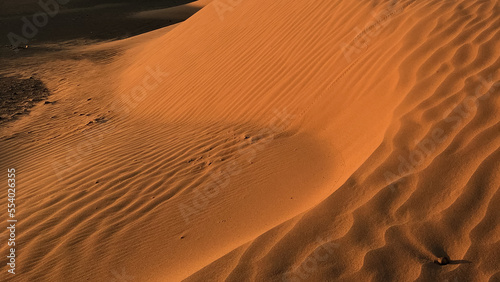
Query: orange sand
x,y
270,141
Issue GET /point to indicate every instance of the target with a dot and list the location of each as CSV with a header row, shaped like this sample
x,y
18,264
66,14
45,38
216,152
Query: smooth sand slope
x,y
270,141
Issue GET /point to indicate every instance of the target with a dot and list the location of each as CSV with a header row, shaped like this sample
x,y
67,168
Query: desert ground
x,y
250,140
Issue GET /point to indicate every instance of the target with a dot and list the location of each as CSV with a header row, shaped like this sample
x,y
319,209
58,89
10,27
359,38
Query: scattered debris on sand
x,y
18,95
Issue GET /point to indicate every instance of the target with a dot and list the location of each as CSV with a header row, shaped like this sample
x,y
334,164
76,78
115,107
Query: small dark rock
x,y
100,120
442,261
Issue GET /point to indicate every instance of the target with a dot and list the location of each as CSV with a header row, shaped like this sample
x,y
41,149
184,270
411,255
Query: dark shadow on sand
x,y
86,20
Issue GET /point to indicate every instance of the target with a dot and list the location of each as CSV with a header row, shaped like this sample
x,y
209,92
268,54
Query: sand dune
x,y
269,141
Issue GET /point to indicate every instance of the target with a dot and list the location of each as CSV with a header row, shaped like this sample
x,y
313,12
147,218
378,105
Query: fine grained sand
x,y
270,141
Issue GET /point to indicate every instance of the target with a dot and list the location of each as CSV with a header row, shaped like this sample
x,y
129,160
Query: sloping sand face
x,y
271,141
416,94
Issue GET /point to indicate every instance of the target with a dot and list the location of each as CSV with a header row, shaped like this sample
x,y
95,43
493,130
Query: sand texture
x,y
268,141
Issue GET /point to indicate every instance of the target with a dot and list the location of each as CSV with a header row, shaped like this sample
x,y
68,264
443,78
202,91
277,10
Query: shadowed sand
x,y
268,141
